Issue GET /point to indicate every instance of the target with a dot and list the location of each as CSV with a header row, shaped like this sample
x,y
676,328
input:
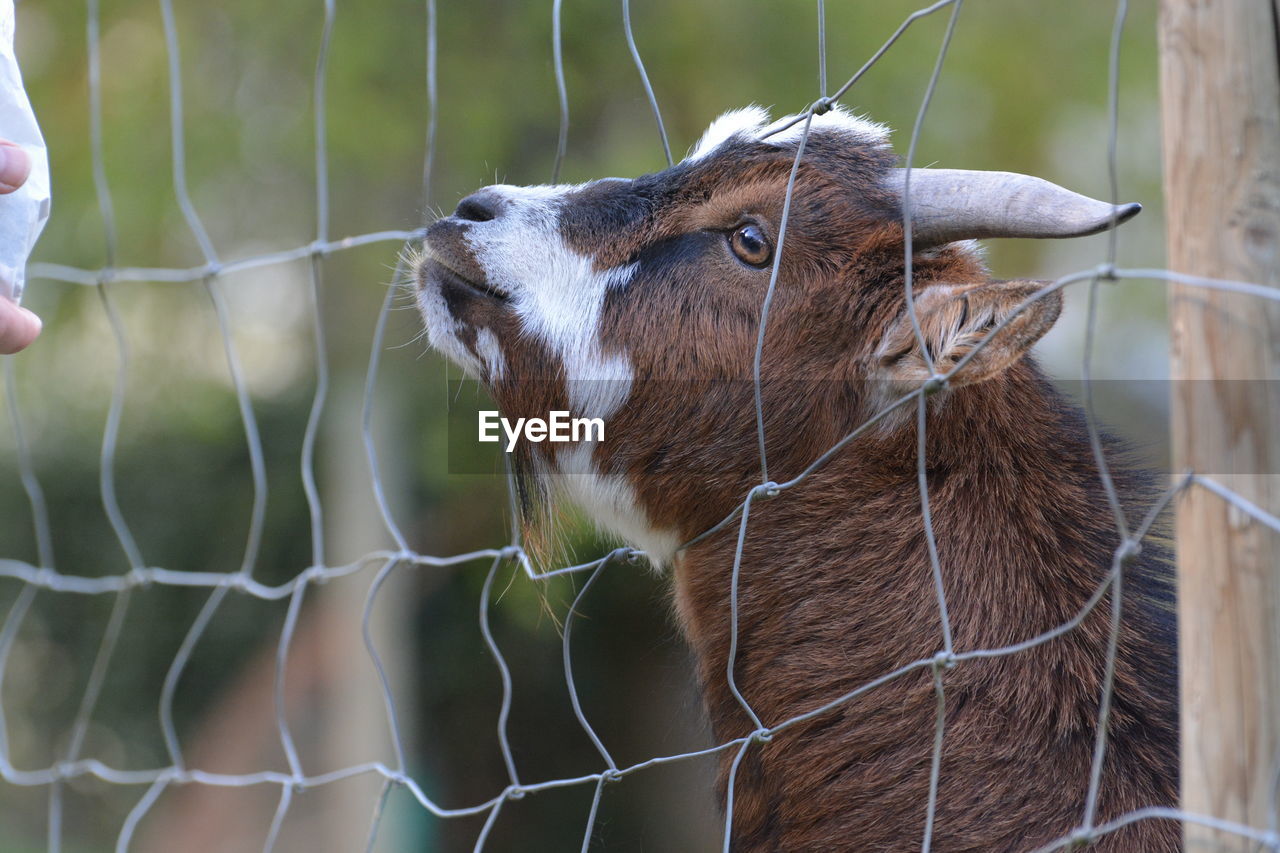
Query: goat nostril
x,y
479,207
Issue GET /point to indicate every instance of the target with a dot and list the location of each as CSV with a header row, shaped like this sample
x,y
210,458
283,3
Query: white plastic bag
x,y
24,212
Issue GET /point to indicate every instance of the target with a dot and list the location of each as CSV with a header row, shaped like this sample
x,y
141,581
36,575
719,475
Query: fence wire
x,y
46,577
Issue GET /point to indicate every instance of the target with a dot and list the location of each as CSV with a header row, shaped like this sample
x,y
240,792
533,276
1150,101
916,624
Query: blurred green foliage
x,y
1024,88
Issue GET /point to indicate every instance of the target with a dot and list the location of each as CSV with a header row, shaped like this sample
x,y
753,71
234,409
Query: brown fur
x,y
836,588
836,591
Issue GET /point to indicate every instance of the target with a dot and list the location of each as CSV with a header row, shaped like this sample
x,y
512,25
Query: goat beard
x,y
539,517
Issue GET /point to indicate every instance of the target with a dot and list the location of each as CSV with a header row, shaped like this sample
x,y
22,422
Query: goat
x,y
639,301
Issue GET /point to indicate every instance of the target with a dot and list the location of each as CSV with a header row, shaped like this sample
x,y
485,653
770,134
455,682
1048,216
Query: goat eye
x,y
751,245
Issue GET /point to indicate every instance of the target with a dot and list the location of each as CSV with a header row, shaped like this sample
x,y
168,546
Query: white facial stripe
x,y
567,319
751,122
612,504
556,292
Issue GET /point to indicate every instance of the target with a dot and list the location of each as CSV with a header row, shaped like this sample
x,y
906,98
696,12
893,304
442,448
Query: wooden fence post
x,y
1220,87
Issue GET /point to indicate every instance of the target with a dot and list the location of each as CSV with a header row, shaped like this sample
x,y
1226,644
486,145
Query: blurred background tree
x,y
1024,88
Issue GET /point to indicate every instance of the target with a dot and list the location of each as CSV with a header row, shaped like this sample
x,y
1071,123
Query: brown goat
x,y
639,301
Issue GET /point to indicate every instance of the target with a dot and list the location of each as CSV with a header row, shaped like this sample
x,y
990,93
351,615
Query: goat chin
x,y
639,302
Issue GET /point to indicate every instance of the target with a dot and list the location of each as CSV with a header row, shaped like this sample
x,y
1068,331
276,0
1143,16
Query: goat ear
x,y
953,319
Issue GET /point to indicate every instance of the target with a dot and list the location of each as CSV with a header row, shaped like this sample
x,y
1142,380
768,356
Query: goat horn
x,y
959,204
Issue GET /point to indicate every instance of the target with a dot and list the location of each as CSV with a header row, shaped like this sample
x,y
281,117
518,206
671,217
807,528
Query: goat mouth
x,y
445,274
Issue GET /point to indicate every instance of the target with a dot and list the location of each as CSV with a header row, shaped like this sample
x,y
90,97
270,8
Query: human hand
x,y
18,326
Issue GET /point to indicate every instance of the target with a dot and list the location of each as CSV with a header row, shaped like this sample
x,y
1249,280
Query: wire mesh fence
x,y
289,786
